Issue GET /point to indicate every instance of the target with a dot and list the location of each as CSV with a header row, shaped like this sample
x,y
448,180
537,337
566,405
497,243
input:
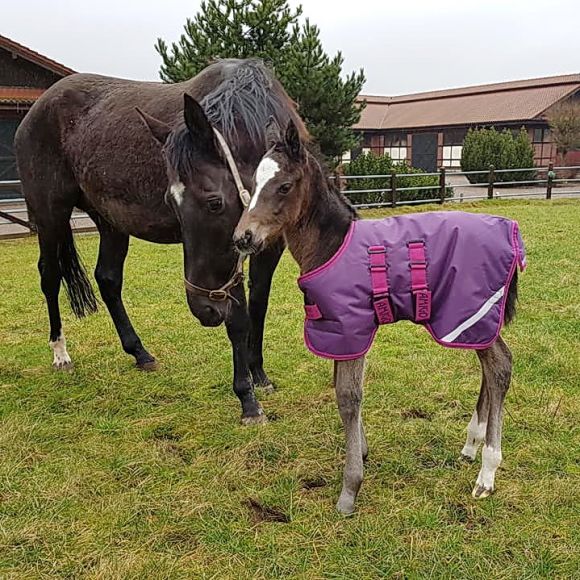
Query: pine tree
x,y
270,30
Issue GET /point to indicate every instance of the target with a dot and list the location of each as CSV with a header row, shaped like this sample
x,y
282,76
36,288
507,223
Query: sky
x,y
404,47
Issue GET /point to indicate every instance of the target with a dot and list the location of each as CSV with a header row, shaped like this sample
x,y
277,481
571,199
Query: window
x,y
544,149
452,147
395,146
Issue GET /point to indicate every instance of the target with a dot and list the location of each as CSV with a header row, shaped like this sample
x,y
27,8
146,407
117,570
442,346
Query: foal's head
x,y
204,197
281,191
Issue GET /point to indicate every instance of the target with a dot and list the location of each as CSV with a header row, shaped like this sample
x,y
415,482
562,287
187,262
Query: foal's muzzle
x,y
246,243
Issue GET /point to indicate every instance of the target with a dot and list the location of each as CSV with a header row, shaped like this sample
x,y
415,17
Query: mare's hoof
x,y
466,458
480,491
150,365
63,366
267,388
260,419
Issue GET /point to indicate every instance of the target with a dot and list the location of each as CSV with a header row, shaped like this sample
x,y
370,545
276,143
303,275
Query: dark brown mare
x,y
294,198
165,180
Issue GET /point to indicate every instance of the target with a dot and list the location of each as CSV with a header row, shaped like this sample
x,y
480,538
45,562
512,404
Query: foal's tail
x,y
77,284
512,298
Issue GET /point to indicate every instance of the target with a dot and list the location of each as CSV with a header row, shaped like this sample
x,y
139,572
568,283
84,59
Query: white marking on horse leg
x,y
475,436
61,358
266,170
491,459
176,191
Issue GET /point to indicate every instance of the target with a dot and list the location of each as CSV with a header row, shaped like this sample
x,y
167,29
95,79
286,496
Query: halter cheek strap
x,y
223,292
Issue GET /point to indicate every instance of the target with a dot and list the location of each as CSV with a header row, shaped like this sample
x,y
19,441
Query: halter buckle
x,y
218,295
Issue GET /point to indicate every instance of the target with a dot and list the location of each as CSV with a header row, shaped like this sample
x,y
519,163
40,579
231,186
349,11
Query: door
x,y
8,170
424,151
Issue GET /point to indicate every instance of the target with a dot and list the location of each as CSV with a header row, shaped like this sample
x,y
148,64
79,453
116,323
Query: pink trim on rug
x,y
337,255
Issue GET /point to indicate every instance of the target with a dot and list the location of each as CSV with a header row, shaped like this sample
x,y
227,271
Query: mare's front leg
x,y
349,377
238,327
113,250
262,267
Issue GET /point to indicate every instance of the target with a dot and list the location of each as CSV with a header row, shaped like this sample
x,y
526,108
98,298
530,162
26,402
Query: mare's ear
x,y
273,133
158,128
292,141
198,125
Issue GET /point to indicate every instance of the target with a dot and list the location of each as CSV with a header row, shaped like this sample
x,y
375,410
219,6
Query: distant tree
x,y
503,150
270,30
564,120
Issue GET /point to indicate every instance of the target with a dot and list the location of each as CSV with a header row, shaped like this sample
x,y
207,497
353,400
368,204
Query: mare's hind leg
x,y
262,268
349,377
496,362
478,423
50,282
113,250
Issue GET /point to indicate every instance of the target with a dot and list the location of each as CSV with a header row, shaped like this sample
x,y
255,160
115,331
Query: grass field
x,y
107,472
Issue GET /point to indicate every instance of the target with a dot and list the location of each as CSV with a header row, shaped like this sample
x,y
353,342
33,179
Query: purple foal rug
x,y
449,271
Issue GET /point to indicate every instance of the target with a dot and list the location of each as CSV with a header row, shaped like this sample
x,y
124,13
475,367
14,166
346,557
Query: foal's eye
x,y
284,188
214,204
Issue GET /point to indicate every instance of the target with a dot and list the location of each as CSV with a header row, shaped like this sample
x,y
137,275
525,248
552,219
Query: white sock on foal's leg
x,y
485,484
475,436
61,360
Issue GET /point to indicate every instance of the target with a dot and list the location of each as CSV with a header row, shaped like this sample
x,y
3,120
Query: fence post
x,y
393,189
550,180
442,185
490,182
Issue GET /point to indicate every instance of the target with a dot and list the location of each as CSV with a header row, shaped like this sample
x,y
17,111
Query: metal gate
x,y
424,151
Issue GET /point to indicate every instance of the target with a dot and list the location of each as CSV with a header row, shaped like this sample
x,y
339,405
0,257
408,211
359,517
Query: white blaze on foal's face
x,y
176,191
266,171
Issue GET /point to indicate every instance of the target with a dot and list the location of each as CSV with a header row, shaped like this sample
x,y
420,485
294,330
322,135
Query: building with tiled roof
x,y
427,129
24,76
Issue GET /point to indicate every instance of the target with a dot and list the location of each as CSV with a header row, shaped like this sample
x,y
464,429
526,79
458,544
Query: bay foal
x,y
293,198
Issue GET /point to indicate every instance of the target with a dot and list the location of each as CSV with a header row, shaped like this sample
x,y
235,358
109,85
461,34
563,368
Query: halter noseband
x,y
222,293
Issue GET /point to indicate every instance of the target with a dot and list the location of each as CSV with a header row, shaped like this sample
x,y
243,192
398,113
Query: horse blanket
x,y
449,271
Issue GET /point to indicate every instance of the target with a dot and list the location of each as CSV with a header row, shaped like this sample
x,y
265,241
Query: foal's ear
x,y
273,133
293,142
158,128
198,124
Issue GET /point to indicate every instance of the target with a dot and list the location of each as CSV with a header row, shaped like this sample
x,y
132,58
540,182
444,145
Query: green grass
x,y
108,472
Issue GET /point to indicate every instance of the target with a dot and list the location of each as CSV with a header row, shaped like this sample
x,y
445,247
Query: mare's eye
x,y
284,188
215,204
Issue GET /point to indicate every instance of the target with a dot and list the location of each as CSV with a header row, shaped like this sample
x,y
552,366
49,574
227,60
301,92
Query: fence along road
x,y
551,182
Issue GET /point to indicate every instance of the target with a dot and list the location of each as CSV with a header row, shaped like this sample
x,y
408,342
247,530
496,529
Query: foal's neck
x,y
326,219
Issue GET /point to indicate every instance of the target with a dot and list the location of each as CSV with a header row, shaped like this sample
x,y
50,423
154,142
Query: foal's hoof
x,y
150,365
480,491
260,419
345,508
63,366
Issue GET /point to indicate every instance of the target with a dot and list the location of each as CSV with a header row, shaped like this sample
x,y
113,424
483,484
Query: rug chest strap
x,y
419,286
380,284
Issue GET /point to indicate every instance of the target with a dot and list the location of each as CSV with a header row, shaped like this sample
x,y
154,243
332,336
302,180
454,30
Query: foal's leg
x,y
478,424
238,326
113,249
262,268
349,376
50,281
497,368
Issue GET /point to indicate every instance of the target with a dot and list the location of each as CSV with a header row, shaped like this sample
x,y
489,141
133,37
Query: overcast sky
x,y
404,46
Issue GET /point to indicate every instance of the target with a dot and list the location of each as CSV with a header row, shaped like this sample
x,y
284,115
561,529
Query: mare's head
x,y
204,197
281,191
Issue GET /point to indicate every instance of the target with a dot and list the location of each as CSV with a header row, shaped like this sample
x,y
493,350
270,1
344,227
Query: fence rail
x,y
14,220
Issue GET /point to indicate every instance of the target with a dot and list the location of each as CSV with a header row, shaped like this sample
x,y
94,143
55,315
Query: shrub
x,y
372,164
485,147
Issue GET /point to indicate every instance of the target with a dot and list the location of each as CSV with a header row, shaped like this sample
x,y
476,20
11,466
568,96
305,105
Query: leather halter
x,y
222,293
